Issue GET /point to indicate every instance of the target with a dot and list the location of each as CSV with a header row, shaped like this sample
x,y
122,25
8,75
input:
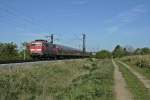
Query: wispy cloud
x,y
79,2
125,18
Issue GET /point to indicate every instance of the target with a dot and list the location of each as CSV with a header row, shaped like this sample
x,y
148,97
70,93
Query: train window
x,y
54,46
33,44
46,45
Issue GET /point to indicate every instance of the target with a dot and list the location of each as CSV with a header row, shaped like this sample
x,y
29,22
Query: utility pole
x,y
84,40
24,54
50,38
24,50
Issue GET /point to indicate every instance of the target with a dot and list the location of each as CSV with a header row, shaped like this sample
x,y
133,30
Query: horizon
x,y
105,23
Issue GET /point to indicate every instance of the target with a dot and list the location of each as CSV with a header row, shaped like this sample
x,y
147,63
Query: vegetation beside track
x,y
139,63
135,86
88,79
10,52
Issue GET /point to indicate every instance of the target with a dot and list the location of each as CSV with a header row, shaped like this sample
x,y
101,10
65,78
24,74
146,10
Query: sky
x,y
106,23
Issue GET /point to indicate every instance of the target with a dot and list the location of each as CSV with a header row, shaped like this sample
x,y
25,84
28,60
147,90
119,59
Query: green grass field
x,y
88,79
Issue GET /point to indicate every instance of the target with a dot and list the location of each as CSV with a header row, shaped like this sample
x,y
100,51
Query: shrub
x,y
103,54
143,63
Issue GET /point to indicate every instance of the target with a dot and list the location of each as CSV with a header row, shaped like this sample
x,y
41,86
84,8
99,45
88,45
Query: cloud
x,y
79,2
125,18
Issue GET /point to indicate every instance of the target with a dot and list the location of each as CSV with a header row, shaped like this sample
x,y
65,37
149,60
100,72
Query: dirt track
x,y
144,80
120,87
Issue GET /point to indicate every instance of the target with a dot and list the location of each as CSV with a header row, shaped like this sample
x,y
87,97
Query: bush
x,y
103,54
8,51
143,63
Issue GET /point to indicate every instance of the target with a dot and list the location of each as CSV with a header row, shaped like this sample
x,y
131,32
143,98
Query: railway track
x,y
19,61
26,61
27,64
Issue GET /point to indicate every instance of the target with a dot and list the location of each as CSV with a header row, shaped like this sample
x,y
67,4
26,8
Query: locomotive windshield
x,y
36,44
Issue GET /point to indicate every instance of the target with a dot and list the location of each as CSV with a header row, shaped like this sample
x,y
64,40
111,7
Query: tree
x,y
138,51
8,51
119,51
103,54
145,50
142,51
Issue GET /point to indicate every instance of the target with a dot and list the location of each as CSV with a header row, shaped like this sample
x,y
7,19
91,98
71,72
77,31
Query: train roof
x,y
40,40
67,47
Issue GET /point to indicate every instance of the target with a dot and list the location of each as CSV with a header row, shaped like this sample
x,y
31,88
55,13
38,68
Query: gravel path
x,y
120,88
143,79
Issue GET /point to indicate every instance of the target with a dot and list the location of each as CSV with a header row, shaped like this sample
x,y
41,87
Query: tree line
x,y
120,51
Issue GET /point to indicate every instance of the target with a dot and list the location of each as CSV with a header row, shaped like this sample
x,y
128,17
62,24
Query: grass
x,y
140,63
88,79
135,86
143,71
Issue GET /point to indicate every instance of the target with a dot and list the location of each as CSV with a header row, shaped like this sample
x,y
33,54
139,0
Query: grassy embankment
x,y
139,63
137,88
63,80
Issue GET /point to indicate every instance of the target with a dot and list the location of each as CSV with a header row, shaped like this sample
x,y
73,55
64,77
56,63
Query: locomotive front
x,y
37,48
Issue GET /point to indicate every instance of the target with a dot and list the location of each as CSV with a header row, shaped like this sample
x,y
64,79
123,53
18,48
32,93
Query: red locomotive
x,y
45,49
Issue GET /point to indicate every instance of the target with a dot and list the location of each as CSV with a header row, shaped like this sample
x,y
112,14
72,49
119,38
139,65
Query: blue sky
x,y
105,22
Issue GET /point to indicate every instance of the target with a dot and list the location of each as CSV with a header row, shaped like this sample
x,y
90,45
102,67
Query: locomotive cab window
x,y
36,44
33,44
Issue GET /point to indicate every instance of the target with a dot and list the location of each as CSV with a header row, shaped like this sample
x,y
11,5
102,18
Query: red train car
x,y
43,48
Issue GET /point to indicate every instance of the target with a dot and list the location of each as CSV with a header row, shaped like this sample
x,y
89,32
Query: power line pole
x,y
24,50
84,41
50,38
24,54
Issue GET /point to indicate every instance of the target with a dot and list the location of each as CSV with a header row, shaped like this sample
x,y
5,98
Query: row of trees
x,y
122,51
9,51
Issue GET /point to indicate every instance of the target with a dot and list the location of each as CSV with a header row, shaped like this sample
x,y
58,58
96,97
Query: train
x,y
44,49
